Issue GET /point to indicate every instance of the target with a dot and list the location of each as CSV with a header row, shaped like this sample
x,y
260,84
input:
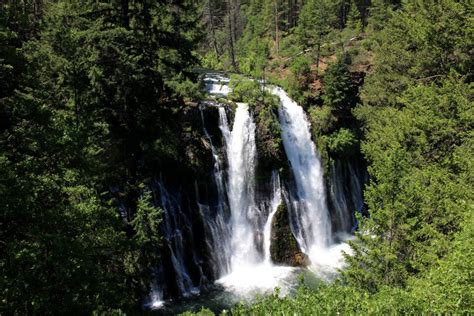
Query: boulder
x,y
284,247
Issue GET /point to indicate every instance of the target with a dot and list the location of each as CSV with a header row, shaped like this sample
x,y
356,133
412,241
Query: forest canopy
x,y
92,100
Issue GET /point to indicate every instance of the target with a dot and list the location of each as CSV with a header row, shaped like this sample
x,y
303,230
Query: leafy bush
x,y
322,119
244,90
300,66
211,61
337,85
342,142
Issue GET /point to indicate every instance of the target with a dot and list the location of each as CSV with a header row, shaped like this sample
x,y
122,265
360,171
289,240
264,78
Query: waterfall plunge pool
x,y
248,284
242,286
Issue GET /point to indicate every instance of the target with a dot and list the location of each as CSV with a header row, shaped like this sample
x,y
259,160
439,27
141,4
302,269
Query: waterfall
x,y
275,202
236,218
251,272
216,222
346,193
232,220
241,156
311,218
176,226
356,188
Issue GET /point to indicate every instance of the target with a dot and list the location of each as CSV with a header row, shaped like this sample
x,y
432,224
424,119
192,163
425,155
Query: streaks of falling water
x,y
345,190
215,222
313,226
275,202
176,222
250,271
241,156
234,240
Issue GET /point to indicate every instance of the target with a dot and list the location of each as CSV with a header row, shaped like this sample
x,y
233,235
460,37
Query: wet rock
x,y
284,247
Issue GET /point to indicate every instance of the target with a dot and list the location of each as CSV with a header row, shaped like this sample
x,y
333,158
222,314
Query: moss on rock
x,y
284,247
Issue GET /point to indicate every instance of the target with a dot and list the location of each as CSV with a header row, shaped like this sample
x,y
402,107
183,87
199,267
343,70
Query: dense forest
x,y
98,103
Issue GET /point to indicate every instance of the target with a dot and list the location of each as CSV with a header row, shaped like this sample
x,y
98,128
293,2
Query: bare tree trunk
x,y
125,11
231,26
318,55
277,35
212,27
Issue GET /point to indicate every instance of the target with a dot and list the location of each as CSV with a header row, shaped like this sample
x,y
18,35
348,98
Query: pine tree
x,y
338,86
315,22
420,190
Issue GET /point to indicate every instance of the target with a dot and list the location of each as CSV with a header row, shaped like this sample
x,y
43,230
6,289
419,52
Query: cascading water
x,y
251,271
241,156
176,222
267,231
216,222
345,190
313,225
217,85
310,214
176,229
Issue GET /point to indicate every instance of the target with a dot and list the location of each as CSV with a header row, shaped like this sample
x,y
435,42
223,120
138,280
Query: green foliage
x,y
269,142
338,86
147,240
255,63
413,254
244,89
83,101
421,43
322,119
334,299
211,61
301,69
146,222
449,281
316,20
420,191
90,93
342,143
300,66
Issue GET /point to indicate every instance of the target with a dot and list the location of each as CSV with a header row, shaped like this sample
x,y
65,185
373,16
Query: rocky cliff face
x,y
284,248
195,204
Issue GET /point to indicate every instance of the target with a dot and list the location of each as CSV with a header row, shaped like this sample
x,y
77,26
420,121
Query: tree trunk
x,y
277,39
231,27
125,12
318,55
212,27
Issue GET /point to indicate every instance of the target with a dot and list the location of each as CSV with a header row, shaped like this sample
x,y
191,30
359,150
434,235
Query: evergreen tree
x,y
421,43
316,19
420,189
82,105
338,86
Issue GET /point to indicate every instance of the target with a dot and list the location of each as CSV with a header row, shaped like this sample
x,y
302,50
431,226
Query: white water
x,y
251,273
313,225
176,226
156,297
267,231
215,222
217,85
241,156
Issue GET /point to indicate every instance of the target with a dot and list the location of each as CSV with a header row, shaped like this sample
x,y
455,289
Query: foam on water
x,y
217,85
248,281
326,262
